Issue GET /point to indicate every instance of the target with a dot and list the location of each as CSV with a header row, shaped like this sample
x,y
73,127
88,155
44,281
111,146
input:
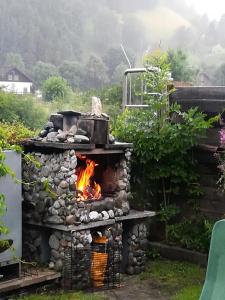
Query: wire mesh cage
x,y
93,267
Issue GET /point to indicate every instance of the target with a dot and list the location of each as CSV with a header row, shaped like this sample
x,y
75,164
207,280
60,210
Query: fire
x,y
86,187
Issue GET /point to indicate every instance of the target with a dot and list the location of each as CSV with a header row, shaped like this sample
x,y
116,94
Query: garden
x,y
166,176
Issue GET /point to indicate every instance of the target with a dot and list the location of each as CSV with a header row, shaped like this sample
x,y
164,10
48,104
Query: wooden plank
x,y
18,283
213,106
196,92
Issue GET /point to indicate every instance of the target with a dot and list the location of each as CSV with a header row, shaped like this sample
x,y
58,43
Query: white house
x,y
14,81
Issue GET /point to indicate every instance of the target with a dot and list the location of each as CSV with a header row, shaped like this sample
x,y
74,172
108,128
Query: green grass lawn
x,y
64,296
181,280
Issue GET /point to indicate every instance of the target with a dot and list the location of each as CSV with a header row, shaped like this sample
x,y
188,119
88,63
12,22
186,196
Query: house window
x,y
25,90
16,77
10,77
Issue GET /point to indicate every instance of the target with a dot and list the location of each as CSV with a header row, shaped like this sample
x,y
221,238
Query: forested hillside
x,y
77,38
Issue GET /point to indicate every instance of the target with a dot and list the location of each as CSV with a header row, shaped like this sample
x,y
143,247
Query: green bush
x,y
56,87
14,132
194,233
24,109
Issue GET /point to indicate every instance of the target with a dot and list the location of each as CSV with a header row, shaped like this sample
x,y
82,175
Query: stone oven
x,y
76,198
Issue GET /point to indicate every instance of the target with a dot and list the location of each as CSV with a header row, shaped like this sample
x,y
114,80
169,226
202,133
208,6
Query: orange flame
x,y
86,188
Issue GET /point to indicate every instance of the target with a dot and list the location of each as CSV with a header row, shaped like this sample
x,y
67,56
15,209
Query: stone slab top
x,y
134,214
107,148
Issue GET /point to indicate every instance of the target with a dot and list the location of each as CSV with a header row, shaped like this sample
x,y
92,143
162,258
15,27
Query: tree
x,y
95,73
219,76
72,71
15,60
118,73
180,68
55,87
42,71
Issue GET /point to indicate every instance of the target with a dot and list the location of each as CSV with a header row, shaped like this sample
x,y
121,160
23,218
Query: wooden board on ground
x,y
18,283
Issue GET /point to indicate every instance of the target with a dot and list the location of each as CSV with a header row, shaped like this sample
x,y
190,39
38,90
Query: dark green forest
x,y
80,40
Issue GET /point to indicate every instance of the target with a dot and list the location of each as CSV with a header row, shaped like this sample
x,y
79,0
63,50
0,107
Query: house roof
x,y
6,71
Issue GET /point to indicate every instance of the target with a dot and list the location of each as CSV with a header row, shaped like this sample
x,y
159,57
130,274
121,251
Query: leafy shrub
x,y
24,109
194,233
14,132
55,87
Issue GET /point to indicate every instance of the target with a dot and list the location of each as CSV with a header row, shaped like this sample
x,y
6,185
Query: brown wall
x,y
209,100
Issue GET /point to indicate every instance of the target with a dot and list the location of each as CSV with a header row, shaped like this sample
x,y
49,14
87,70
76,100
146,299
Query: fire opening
x,y
87,188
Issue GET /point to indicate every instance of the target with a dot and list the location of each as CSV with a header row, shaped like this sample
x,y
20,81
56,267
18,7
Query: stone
x,y
63,243
105,215
49,125
96,107
80,204
64,170
63,184
61,202
58,265
100,217
70,220
73,164
118,212
79,246
111,214
43,133
93,215
97,206
80,131
40,206
73,130
109,203
143,243
122,185
62,136
71,140
45,171
55,254
51,130
37,242
56,205
51,265
81,139
54,220
51,137
53,211
57,121
111,139
130,270
56,181
54,242
89,238
72,179
105,116
125,207
72,153
121,196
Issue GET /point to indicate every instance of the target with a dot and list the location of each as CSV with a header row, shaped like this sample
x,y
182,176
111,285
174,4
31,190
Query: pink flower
x,y
222,137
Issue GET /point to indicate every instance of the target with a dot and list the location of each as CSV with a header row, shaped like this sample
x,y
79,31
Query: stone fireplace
x,y
76,192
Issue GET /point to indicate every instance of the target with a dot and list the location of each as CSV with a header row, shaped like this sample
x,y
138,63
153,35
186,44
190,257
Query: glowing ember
x,y
86,187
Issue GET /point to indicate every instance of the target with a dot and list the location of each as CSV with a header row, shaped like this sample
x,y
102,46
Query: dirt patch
x,y
135,289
